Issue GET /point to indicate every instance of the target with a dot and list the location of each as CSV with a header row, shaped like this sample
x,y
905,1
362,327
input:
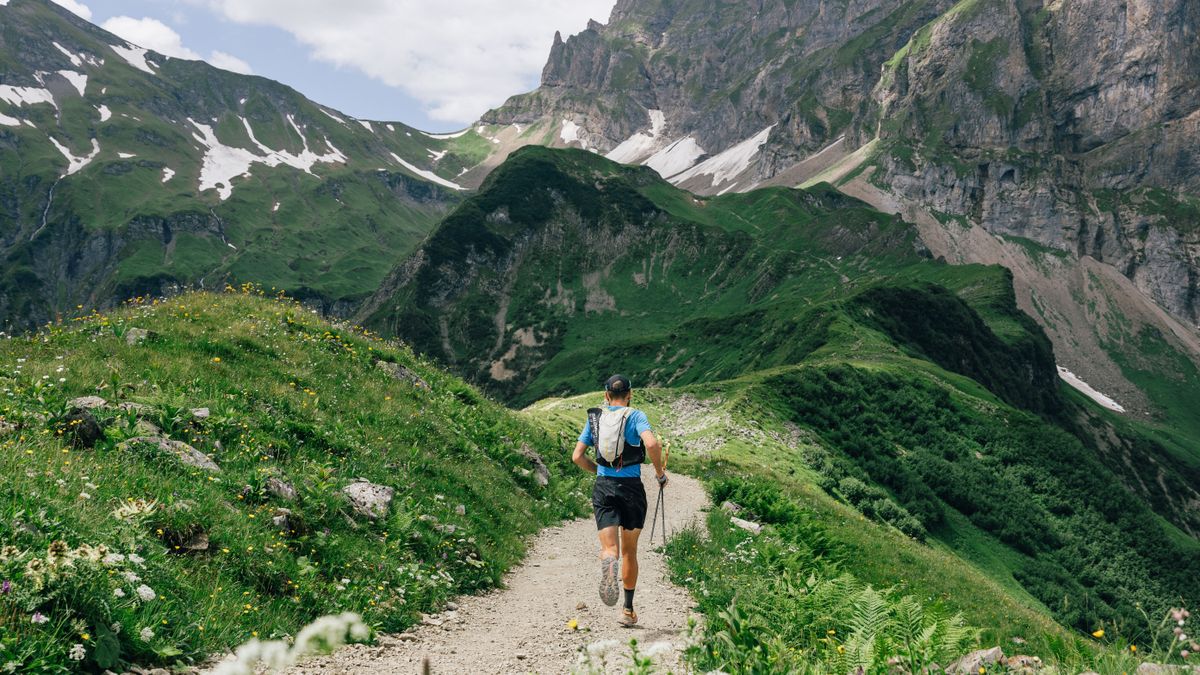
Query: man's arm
x,y
654,449
581,459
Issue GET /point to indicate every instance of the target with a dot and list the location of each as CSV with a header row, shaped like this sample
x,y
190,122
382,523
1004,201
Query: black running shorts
x,y
619,501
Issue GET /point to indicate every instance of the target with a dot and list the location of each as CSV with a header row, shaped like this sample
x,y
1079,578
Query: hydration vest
x,y
608,431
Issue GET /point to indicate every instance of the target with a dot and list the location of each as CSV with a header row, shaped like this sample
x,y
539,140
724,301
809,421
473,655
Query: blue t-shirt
x,y
635,424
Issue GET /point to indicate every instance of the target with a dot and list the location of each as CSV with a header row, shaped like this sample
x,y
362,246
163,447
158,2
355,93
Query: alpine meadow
x,y
908,292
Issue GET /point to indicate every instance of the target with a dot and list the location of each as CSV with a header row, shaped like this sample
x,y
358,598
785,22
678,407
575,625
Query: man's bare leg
x,y
609,565
629,573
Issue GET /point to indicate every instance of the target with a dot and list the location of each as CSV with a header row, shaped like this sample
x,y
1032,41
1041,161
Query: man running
x,y
622,438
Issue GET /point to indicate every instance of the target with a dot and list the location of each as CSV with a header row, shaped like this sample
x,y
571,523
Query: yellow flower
x,y
85,636
216,359
982,670
1133,648
1098,634
841,649
573,624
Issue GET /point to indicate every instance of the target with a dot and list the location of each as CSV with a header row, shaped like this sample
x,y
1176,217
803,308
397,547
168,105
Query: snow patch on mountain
x,y
222,163
570,134
641,145
436,156
74,164
134,56
427,175
676,157
1087,390
20,96
77,80
9,121
76,60
332,116
168,173
730,164
105,113
446,137
126,155
367,125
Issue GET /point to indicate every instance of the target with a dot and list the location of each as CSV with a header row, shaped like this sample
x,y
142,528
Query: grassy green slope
x,y
291,397
116,228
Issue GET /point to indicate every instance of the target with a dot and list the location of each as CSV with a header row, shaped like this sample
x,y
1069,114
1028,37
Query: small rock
x,y
87,402
1023,665
201,413
521,656
402,373
581,606
407,637
198,542
451,606
971,663
7,428
281,489
136,408
430,621
282,520
81,428
731,507
147,428
178,449
539,467
135,336
746,525
369,499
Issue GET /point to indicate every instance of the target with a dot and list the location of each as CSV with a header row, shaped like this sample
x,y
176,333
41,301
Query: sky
x,y
436,65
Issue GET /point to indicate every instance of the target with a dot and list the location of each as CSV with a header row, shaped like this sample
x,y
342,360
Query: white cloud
x,y
75,7
151,34
458,57
158,36
230,62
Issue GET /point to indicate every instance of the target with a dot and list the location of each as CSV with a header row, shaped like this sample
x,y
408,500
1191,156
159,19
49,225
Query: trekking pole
x,y
660,504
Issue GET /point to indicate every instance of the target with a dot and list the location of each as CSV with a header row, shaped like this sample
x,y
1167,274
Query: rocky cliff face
x,y
1073,124
1056,137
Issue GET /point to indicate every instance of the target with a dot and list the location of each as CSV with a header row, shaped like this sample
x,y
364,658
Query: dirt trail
x,y
522,628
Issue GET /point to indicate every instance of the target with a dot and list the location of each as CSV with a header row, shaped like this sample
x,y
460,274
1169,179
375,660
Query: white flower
x,y
146,593
599,649
659,649
118,592
136,559
77,652
113,558
146,634
131,577
84,495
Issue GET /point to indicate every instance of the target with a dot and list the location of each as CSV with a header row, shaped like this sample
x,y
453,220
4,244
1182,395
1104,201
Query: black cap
x,y
617,384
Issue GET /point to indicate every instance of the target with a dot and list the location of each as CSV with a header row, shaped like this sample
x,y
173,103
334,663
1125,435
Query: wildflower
x,y
131,577
146,634
1098,633
84,495
85,636
113,558
38,618
841,649
57,553
77,652
136,559
572,625
982,670
599,649
1185,653
9,552
6,587
216,359
146,593
118,592
1133,648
